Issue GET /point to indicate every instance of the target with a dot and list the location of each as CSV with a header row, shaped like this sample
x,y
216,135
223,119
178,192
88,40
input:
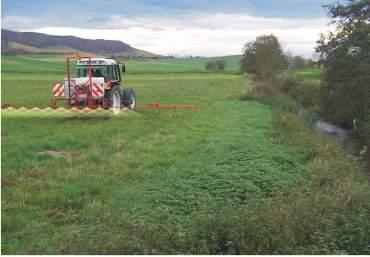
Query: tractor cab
x,y
108,69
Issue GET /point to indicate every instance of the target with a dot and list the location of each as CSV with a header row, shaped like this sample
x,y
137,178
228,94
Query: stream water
x,y
341,136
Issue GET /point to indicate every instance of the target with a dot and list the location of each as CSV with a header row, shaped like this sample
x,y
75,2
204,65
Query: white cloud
x,y
196,33
19,22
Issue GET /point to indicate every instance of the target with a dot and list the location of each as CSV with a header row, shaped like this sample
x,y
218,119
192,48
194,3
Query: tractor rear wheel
x,y
129,98
113,97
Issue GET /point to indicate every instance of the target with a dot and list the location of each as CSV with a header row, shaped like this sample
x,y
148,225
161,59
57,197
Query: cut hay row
x,y
63,112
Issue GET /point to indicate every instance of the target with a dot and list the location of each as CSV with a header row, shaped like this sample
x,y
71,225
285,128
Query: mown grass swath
x,y
235,177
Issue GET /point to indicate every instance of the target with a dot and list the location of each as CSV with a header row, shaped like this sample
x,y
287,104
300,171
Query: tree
x,y
263,57
207,65
215,65
298,63
221,64
345,54
210,65
310,64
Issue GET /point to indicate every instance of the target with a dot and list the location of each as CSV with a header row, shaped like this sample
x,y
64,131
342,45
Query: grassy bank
x,y
235,177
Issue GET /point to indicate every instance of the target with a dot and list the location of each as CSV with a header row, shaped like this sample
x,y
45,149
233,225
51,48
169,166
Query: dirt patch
x,y
55,154
7,182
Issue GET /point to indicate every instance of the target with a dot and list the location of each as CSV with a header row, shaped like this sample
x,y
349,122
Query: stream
x,y
340,136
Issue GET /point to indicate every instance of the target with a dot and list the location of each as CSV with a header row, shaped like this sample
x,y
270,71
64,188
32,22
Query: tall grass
x,y
330,214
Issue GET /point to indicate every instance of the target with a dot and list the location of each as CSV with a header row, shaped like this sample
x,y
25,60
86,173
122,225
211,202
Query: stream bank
x,y
340,136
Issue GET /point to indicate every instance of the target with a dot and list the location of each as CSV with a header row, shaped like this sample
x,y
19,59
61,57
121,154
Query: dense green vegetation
x,y
235,177
345,54
302,86
340,92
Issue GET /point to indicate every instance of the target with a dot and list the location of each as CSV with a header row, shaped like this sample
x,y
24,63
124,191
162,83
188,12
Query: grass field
x,y
55,64
152,182
308,73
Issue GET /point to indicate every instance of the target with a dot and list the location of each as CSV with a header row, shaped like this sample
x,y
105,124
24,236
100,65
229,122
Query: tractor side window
x,y
110,75
115,72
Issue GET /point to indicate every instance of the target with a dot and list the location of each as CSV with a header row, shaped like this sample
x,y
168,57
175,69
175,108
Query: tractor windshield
x,y
96,71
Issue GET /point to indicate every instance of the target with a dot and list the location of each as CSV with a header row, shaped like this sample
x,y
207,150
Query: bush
x,y
364,131
216,65
306,92
263,57
220,64
264,89
210,65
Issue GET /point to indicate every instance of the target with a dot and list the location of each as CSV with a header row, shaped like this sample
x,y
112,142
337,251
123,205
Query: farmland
x,y
219,180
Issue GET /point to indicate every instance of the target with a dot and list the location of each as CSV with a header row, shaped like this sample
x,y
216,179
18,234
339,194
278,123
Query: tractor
x,y
97,83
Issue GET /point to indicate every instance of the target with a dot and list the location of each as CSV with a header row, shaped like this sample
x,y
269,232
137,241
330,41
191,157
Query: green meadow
x,y
308,73
237,176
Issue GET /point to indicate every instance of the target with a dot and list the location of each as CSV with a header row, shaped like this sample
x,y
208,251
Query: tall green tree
x,y
263,57
345,54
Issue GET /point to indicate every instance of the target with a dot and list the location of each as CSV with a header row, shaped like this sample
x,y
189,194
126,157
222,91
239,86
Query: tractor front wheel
x,y
129,98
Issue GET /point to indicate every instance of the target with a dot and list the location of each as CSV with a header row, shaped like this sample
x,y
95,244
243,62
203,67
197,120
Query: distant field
x,y
55,64
308,73
179,65
140,184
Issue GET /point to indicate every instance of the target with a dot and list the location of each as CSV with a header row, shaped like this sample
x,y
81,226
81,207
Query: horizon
x,y
176,28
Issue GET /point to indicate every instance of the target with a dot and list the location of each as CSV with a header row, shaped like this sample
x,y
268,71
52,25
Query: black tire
x,y
129,98
109,96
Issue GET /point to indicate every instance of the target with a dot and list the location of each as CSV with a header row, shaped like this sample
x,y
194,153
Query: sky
x,y
175,27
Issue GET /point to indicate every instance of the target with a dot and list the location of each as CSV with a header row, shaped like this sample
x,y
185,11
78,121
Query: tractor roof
x,y
97,61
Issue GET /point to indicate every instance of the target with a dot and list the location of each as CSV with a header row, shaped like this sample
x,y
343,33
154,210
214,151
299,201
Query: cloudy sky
x,y
180,27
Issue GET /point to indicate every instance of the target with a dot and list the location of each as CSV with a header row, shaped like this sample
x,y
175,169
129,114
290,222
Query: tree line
x,y
344,93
